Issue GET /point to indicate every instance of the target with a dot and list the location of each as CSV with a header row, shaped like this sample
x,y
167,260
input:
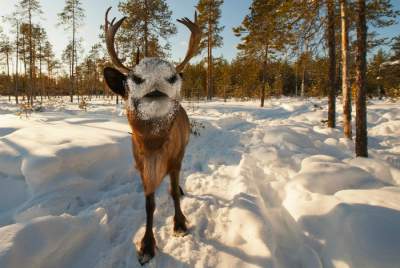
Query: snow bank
x,y
269,187
51,241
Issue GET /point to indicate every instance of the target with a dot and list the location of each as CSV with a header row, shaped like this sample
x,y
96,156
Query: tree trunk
x,y
73,54
209,61
332,64
30,56
361,69
24,54
264,75
76,76
48,77
25,69
303,80
8,72
16,65
346,89
40,71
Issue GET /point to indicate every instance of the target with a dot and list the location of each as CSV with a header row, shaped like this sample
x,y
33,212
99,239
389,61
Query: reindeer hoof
x,y
147,251
180,230
145,258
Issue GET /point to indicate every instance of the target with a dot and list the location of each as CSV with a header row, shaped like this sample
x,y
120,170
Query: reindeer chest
x,y
152,161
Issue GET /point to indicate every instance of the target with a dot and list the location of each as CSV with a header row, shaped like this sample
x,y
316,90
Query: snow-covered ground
x,y
269,187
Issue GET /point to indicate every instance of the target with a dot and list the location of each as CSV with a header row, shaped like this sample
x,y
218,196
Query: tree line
x,y
291,47
287,48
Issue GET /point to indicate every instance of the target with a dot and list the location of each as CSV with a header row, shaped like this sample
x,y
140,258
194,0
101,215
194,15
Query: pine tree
x,y
267,29
379,14
361,70
209,16
49,58
24,32
6,50
72,17
40,37
28,9
147,22
14,19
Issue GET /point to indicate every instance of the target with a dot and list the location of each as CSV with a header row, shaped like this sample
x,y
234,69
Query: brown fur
x,y
158,153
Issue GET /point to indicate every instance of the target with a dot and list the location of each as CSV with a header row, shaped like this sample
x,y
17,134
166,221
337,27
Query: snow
x,y
264,187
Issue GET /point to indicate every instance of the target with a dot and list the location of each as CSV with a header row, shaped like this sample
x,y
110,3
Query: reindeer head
x,y
152,88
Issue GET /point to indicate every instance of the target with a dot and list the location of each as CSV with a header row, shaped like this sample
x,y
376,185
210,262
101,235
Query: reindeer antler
x,y
194,42
110,30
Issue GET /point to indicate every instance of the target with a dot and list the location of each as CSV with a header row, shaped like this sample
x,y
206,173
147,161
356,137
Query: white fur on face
x,y
155,73
148,109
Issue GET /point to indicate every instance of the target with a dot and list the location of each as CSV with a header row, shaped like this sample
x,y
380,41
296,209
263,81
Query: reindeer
x,y
160,125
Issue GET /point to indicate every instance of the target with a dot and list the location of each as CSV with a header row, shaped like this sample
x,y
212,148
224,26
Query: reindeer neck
x,y
152,133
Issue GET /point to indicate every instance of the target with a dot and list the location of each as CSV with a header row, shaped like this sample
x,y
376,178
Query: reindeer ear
x,y
115,81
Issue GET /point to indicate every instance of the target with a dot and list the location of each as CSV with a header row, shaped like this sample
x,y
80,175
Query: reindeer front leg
x,y
180,228
147,246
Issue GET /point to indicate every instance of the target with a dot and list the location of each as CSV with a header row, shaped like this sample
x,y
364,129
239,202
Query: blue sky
x,y
232,15
233,12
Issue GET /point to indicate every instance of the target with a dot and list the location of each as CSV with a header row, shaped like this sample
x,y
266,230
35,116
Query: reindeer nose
x,y
156,94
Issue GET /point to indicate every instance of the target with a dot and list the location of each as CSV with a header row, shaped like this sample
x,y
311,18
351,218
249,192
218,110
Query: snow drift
x,y
269,187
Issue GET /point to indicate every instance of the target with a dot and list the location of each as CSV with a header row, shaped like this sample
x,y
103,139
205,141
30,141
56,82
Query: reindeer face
x,y
153,88
154,79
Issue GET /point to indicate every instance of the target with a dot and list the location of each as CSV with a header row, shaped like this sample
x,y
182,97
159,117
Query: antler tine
x,y
194,42
106,20
110,30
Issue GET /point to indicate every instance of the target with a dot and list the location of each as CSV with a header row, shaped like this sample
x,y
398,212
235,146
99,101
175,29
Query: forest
x,y
286,54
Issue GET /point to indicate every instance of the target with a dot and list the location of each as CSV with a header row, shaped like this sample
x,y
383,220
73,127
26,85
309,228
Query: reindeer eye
x,y
172,79
138,80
